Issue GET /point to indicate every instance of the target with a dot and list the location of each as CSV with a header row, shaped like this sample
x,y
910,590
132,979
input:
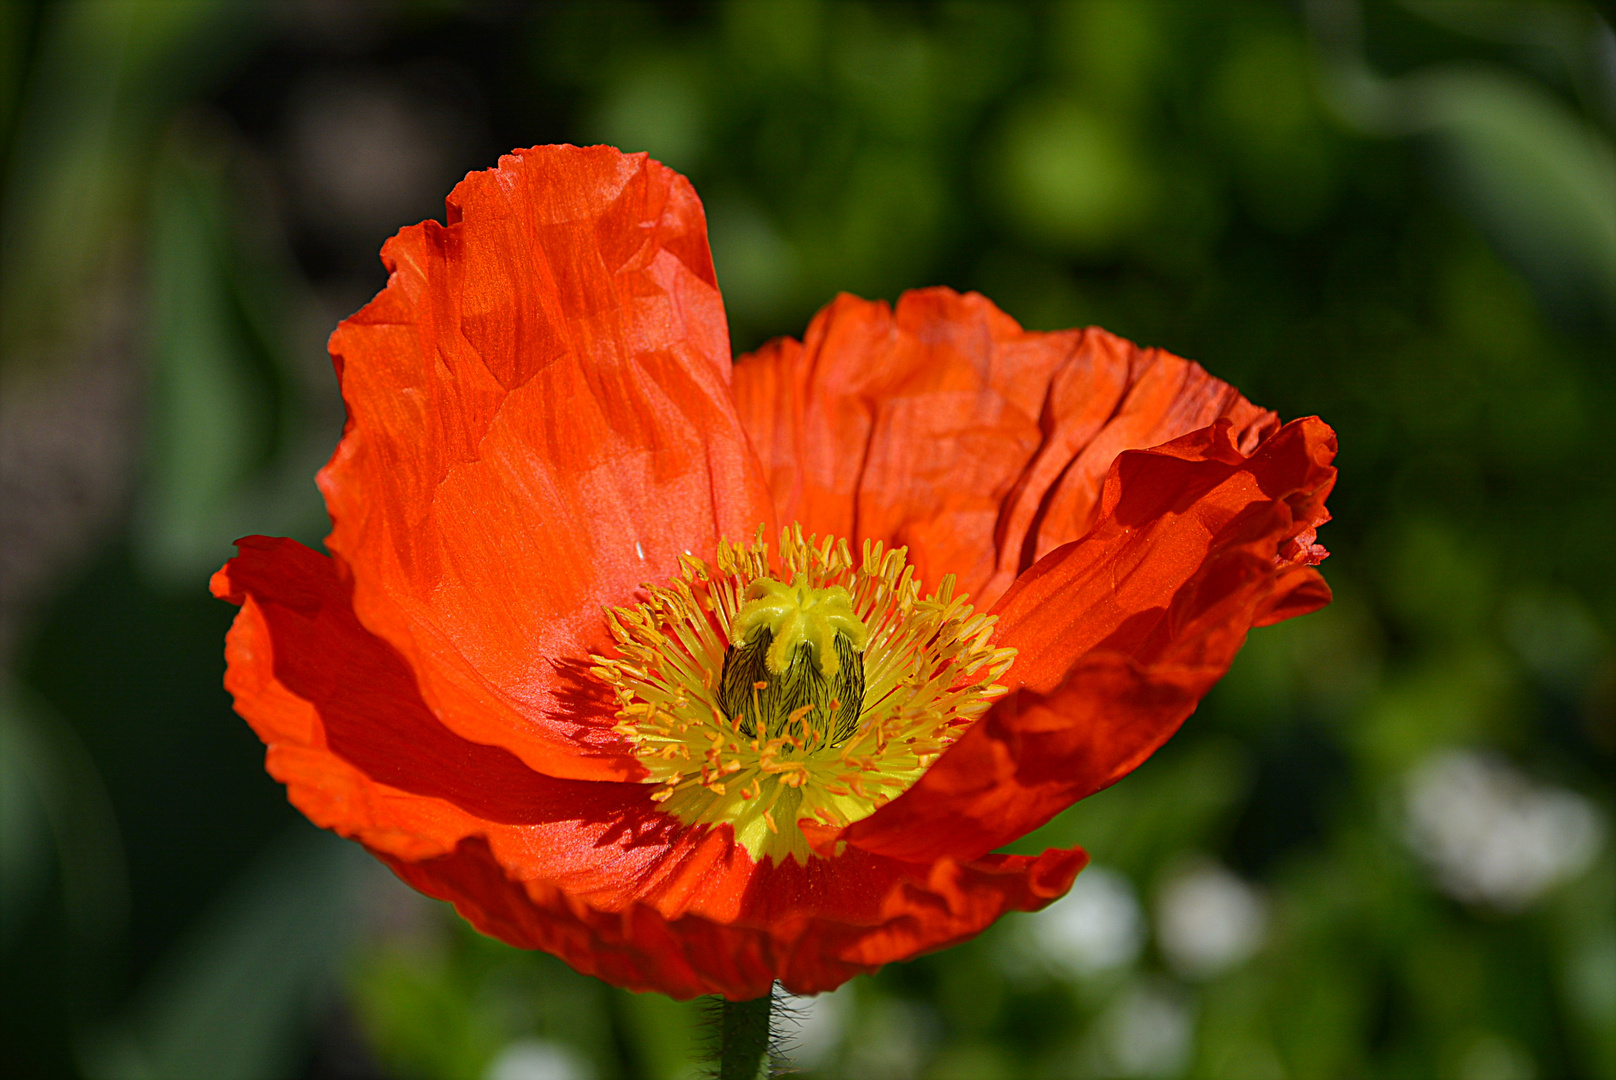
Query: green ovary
x,y
795,668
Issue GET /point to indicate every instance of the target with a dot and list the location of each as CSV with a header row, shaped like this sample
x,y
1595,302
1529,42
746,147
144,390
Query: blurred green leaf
x,y
15,26
421,1016
24,828
666,1034
1180,799
1068,177
54,810
105,74
234,438
657,107
444,1005
1114,50
889,70
758,269
784,37
231,1000
1585,928
1325,665
211,417
1261,99
1460,698
1540,181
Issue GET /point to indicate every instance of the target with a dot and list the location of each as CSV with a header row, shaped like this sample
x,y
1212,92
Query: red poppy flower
x,y
557,671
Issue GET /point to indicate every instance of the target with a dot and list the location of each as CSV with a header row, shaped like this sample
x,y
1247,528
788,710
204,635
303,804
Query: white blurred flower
x,y
538,1059
1095,927
1492,836
1208,920
1148,1032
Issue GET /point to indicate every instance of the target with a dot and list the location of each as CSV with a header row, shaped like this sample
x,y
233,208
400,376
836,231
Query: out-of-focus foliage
x,y
1382,847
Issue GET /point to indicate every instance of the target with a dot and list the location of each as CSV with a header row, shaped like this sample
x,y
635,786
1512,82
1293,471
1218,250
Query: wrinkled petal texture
x,y
1126,578
1120,634
588,870
945,427
539,420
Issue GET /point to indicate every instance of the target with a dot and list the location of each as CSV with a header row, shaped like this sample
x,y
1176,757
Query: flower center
x,y
773,707
795,669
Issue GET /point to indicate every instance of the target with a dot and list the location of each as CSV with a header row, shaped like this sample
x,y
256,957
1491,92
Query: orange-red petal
x,y
539,420
896,911
588,870
1119,635
944,426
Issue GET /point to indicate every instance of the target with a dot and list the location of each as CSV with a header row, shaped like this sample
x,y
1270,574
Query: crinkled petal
x,y
897,916
1119,635
588,870
539,421
944,426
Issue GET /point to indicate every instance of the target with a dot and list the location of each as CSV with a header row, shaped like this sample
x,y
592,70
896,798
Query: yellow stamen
x,y
909,673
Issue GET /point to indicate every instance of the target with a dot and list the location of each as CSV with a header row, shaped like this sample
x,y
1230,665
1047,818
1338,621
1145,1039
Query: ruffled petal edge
x,y
1122,633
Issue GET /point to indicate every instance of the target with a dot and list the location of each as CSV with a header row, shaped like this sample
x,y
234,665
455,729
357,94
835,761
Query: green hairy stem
x,y
744,1039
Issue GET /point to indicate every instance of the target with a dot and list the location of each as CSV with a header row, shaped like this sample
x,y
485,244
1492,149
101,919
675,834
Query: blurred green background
x,y
1383,845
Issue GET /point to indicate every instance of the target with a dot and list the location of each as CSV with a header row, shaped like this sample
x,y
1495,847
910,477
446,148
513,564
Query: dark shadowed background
x,y
1383,847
